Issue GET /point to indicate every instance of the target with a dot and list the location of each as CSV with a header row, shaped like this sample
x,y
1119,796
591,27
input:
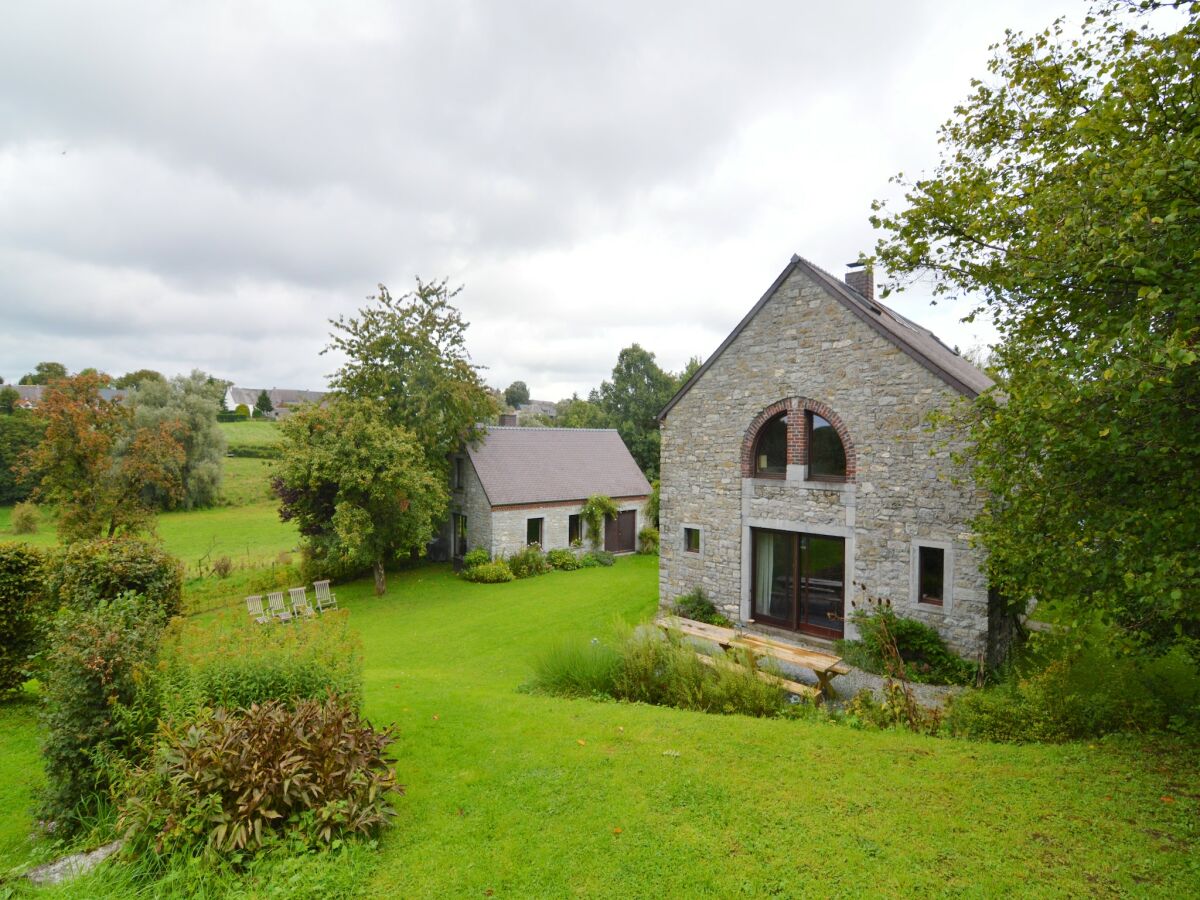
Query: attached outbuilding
x,y
800,476
520,486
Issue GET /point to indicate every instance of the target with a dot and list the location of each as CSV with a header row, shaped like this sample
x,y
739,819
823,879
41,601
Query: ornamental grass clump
x,y
235,782
528,562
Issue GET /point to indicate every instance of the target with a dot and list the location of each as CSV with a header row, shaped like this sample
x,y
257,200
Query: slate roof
x,y
32,393
547,465
279,396
919,343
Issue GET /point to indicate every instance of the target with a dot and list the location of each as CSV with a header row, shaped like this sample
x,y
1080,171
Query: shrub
x,y
231,782
222,566
1072,687
562,559
242,411
648,541
593,513
234,663
476,557
100,700
596,558
646,667
528,562
490,573
898,709
87,572
25,518
922,650
22,613
696,605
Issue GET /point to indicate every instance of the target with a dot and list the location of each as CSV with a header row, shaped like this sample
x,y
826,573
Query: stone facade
x,y
470,500
805,350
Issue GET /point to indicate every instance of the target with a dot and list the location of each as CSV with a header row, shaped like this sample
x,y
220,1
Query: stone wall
x,y
806,349
509,524
471,501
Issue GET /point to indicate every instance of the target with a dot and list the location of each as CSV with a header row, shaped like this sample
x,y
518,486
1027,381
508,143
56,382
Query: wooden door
x,y
620,533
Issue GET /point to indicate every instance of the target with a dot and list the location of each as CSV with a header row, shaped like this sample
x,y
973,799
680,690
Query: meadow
x,y
511,793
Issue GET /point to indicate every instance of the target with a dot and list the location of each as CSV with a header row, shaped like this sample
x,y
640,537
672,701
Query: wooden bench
x,y
823,665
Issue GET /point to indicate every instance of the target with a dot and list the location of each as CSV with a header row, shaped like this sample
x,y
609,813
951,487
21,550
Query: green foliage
x,y
44,373
923,651
1067,197
263,404
411,351
242,411
632,401
189,403
138,378
528,562
579,413
234,663
562,559
696,605
233,782
1066,688
22,614
594,558
100,702
25,518
648,539
87,572
476,557
489,573
597,508
897,709
645,667
358,487
516,394
9,397
654,503
19,434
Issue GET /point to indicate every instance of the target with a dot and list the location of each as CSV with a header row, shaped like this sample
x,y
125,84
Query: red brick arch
x,y
797,434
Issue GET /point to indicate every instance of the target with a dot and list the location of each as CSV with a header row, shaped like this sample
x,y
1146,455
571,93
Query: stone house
x,y
520,486
799,476
283,400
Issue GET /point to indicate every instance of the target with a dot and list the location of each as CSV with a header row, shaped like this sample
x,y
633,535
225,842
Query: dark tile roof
x,y
919,343
546,465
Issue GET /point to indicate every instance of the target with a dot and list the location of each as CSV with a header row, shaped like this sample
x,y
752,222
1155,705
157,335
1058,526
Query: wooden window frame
x,y
787,447
947,549
808,445
699,533
800,558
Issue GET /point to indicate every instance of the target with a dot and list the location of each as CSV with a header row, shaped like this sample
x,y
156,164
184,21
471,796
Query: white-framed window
x,y
693,539
932,579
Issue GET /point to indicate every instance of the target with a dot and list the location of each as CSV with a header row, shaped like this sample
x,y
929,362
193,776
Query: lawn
x,y
251,433
518,795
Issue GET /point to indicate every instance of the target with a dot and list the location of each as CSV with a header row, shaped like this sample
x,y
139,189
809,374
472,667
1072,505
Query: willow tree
x,y
1067,199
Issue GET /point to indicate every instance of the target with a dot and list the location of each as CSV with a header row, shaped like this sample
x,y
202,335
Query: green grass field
x,y
251,433
511,794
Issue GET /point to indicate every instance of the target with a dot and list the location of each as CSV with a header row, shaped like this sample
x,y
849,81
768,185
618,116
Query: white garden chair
x,y
301,608
255,608
326,599
278,610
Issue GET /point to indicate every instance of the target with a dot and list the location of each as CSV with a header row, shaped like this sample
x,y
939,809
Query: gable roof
x,y
547,465
279,396
919,343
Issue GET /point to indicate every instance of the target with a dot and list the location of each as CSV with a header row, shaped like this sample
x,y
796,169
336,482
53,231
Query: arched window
x,y
826,455
770,453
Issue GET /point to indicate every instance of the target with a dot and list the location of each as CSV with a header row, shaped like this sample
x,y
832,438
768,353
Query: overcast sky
x,y
206,184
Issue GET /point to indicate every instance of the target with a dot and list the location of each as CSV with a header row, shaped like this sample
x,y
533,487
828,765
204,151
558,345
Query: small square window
x,y
691,540
533,531
931,575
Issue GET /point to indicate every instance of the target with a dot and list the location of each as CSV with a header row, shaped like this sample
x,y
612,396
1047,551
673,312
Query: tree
x,y
1068,196
575,412
410,353
20,432
516,394
632,400
357,486
262,406
137,379
94,464
8,399
191,403
44,373
690,368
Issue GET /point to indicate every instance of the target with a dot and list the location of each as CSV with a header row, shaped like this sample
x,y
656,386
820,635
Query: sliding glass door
x,y
798,581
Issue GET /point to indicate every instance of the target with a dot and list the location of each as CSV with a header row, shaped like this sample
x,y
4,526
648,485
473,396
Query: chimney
x,y
861,278
508,420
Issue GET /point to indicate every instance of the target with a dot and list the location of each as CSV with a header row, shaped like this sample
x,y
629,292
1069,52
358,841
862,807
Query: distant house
x,y
527,485
283,400
30,395
800,475
534,413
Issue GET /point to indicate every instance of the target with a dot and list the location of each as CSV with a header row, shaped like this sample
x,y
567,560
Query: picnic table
x,y
824,666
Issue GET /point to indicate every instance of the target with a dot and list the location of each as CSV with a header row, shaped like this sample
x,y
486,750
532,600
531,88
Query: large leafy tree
x,y
190,403
409,353
137,378
516,394
95,465
44,373
1067,197
357,486
632,400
